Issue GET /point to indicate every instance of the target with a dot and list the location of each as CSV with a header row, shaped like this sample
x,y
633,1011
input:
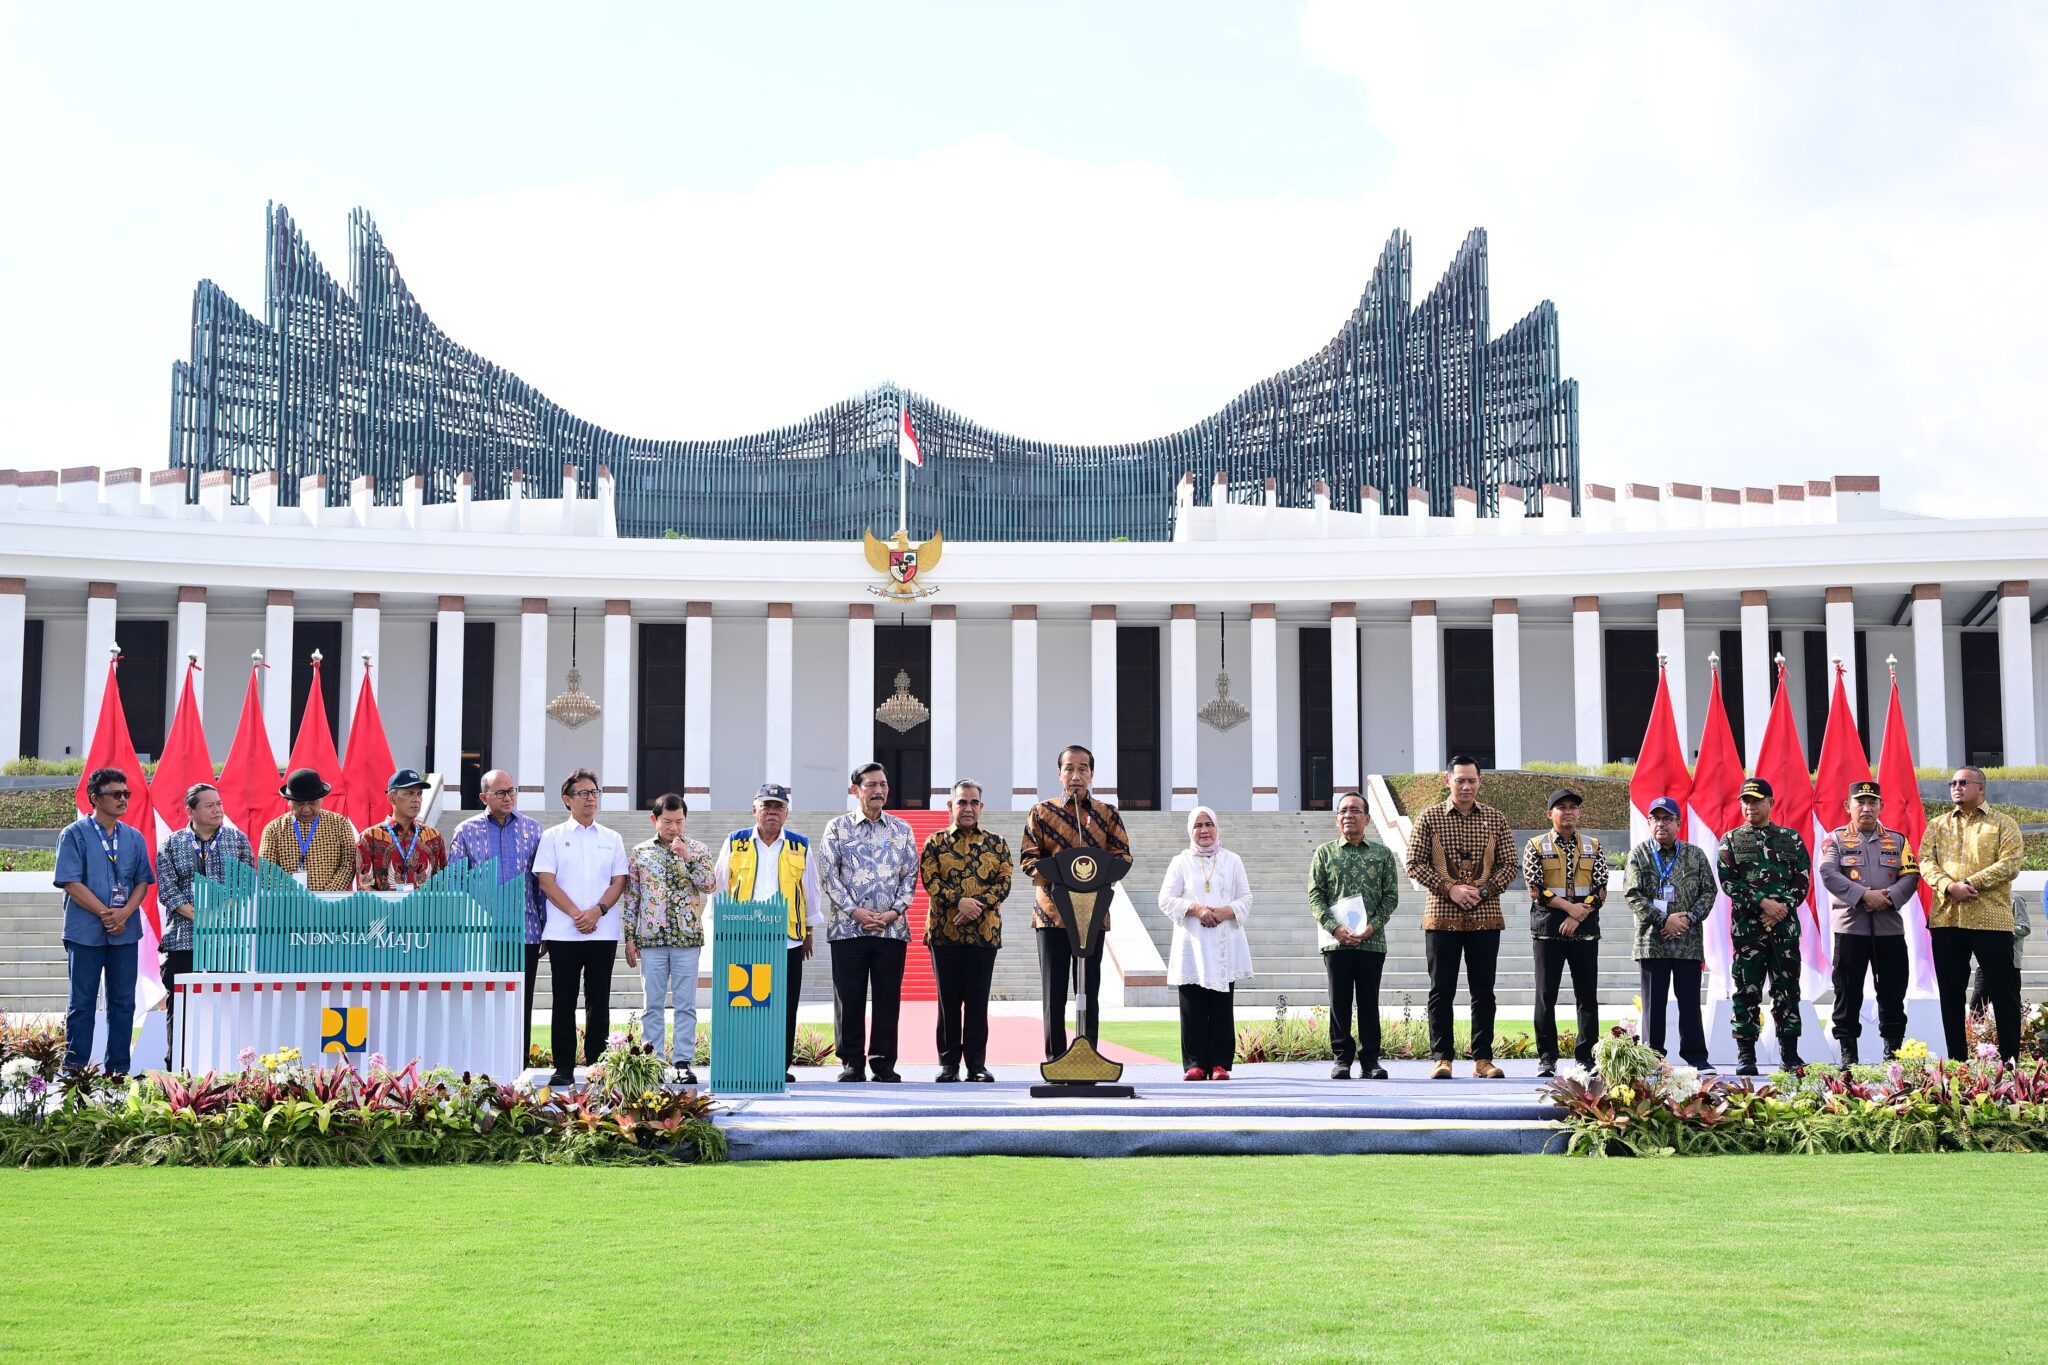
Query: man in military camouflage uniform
x,y
1765,875
1872,878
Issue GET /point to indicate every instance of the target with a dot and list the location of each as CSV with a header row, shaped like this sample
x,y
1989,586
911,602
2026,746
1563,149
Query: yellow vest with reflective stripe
x,y
741,855
1553,868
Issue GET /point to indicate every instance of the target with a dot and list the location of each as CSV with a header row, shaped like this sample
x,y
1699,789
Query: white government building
x,y
1359,643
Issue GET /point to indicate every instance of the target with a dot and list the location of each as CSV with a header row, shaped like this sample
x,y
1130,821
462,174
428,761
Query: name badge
x,y
300,878
1663,904
120,897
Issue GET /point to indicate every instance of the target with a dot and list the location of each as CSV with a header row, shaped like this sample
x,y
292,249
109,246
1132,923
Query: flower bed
x,y
1632,1104
278,1112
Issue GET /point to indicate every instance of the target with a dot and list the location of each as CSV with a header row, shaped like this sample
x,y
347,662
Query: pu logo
x,y
344,1030
749,986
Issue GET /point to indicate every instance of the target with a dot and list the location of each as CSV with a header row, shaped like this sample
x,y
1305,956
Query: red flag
x,y
1781,761
1904,812
369,764
248,780
313,746
1842,763
112,747
1716,808
184,762
1660,766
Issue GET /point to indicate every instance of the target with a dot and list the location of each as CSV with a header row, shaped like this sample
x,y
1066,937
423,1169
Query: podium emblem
x,y
345,1030
749,984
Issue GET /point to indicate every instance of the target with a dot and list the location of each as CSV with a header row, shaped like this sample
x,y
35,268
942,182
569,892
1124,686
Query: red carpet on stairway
x,y
918,983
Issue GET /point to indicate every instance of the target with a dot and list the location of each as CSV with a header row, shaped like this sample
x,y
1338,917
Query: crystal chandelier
x,y
903,712
573,707
1222,711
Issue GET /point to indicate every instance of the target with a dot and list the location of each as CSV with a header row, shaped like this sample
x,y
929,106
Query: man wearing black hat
x,y
318,847
400,853
1765,875
1567,876
1871,876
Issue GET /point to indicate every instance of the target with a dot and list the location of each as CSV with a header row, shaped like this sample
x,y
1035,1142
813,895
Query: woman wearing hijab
x,y
1207,897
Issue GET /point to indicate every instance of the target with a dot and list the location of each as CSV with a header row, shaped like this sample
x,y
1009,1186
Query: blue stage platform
x,y
1286,1108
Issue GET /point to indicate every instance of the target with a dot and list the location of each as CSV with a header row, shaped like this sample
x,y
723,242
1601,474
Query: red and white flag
x,y
369,765
1842,765
248,780
112,747
313,746
184,762
1904,812
1781,761
907,448
1715,808
1660,766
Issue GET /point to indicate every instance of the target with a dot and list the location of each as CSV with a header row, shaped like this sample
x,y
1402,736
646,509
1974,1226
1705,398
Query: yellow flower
x,y
1912,1050
1626,1094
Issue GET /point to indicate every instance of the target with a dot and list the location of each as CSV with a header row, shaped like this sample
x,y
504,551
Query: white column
x,y
1507,683
617,716
778,698
1589,683
99,645
449,632
1426,685
1840,618
1759,674
697,659
1102,698
1180,644
2016,673
945,704
366,631
860,690
277,678
534,784
13,676
1930,678
1671,644
1023,707
191,642
1265,704
1344,774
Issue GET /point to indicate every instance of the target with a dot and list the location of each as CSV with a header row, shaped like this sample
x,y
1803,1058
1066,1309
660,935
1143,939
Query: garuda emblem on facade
x,y
903,564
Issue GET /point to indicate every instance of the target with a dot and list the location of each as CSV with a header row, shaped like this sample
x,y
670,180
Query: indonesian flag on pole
x,y
1716,808
1781,761
313,746
184,763
112,747
907,448
1904,813
369,764
1842,764
1660,766
248,780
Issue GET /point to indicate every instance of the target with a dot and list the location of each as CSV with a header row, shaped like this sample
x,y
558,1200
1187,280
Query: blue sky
x,y
1783,241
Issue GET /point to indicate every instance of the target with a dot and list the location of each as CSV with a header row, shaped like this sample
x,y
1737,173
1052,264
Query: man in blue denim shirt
x,y
867,869
503,835
102,868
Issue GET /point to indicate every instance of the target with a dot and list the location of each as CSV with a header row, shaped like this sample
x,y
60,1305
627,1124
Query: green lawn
x,y
1536,1258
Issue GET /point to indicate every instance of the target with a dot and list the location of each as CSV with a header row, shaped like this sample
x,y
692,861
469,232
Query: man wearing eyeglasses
x,y
1970,855
506,836
582,867
102,868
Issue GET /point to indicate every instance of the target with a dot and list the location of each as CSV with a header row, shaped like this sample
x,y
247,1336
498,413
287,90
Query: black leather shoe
x,y
560,1082
853,1074
887,1075
1546,1067
686,1076
948,1075
789,1077
982,1074
1371,1071
1341,1071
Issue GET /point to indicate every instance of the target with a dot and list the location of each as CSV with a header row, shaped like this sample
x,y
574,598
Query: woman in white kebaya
x,y
1207,897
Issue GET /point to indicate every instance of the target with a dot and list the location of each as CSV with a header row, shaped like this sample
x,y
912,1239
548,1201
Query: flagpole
x,y
902,471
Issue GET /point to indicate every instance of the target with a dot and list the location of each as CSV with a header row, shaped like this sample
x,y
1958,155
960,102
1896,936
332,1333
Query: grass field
x,y
1284,1258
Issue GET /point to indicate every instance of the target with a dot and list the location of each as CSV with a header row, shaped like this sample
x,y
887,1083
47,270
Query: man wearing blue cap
x,y
765,861
400,853
1669,885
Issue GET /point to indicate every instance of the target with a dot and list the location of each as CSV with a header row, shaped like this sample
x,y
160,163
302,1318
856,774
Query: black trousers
x,y
1884,957
857,965
1055,966
1480,948
532,971
585,965
1208,1027
964,972
796,986
1553,955
1992,948
1662,978
1354,976
177,962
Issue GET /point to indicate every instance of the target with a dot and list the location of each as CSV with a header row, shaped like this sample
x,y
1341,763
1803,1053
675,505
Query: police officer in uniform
x,y
1764,874
1871,877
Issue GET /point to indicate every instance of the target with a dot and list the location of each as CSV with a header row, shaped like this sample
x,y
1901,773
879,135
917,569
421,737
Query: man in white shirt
x,y
581,867
775,859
